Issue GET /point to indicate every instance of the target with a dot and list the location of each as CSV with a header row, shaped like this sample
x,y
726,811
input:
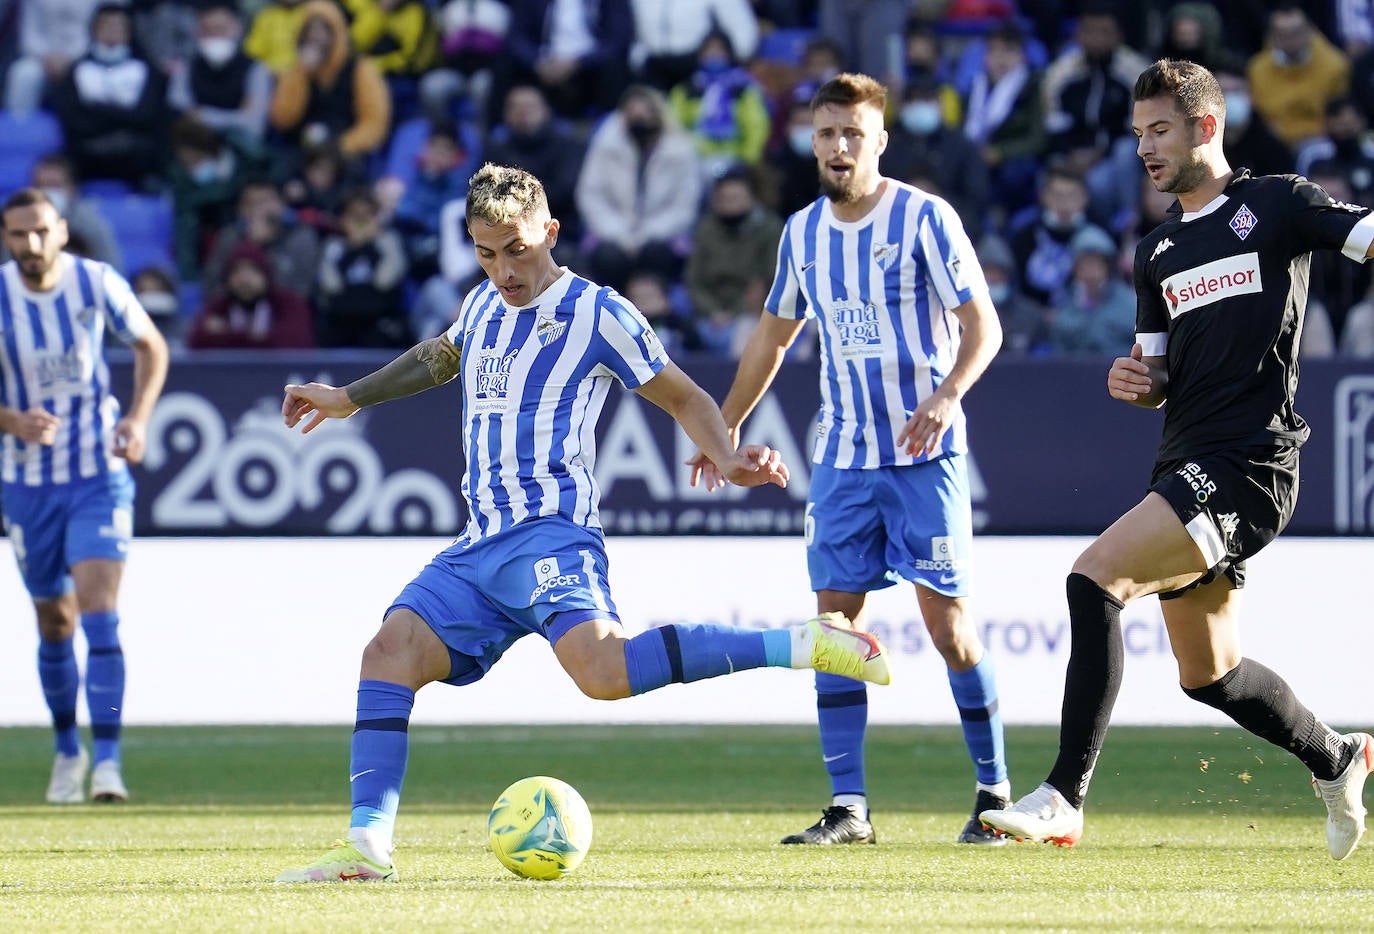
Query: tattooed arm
x,y
426,365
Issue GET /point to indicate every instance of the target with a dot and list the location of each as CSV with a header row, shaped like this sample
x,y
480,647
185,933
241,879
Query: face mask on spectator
x,y
1238,108
59,199
921,117
109,54
158,304
799,138
217,50
642,132
1284,59
203,173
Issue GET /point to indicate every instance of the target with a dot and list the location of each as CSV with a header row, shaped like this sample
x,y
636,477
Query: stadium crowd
x,y
291,173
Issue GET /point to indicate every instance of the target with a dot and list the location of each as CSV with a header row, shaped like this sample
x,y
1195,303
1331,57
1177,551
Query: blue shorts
x,y
868,529
54,527
543,576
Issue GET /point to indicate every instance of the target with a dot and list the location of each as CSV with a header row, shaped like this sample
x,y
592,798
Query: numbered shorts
x,y
54,527
543,576
1232,503
868,529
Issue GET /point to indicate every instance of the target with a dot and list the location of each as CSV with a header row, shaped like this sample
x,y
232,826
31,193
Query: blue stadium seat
x,y
784,45
24,140
143,224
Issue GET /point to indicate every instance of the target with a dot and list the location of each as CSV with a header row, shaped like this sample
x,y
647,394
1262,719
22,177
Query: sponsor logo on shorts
x,y
942,558
547,576
1196,477
1211,282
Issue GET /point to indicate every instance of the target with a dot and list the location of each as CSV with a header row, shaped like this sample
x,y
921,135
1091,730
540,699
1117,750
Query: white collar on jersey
x,y
1206,209
889,192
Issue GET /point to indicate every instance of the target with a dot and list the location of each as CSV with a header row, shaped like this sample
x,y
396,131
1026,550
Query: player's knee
x,y
56,621
600,678
392,646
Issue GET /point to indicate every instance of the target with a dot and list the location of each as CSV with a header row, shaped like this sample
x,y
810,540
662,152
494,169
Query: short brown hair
x,y
27,197
1195,90
502,194
850,90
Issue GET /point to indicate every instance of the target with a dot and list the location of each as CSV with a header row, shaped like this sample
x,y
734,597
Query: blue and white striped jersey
x,y
534,381
52,357
882,289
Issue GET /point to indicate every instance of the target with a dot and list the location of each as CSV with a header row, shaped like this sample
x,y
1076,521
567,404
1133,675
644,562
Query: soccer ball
x,y
540,828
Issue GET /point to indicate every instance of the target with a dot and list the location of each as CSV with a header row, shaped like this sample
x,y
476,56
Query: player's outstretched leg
x,y
377,769
1043,816
1344,797
683,653
842,712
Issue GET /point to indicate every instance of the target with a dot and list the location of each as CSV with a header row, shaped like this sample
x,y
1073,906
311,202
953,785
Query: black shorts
x,y
1232,503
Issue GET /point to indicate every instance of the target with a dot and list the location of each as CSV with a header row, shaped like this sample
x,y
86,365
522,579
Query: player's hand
x,y
755,465
705,470
130,439
1129,377
316,400
927,425
37,426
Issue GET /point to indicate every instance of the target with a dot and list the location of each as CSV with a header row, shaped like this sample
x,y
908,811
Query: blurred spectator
x,y
576,51
925,60
439,180
822,60
1295,74
1087,89
734,256
673,325
362,270
315,193
722,108
1332,279
794,162
113,105
221,85
1044,258
531,139
1354,26
1096,312
1003,118
52,35
1357,337
263,218
156,291
869,33
922,144
165,30
436,305
1193,33
668,35
251,312
472,40
639,191
329,93
54,174
1247,138
206,176
272,37
1345,149
399,36
1023,321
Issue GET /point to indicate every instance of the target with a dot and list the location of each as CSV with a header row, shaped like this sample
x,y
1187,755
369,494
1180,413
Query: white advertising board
x,y
271,630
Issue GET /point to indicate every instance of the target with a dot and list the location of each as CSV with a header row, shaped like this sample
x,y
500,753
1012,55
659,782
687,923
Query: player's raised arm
x,y
426,365
674,392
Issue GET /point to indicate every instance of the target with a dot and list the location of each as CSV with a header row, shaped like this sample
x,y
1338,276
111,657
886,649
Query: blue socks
x,y
377,765
975,694
683,653
842,710
104,681
58,675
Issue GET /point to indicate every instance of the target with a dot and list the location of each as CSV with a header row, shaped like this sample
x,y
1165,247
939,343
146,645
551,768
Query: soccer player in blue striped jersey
x,y
906,327
535,349
64,476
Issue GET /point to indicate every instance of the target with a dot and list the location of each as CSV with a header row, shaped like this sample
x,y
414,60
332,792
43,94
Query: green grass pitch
x,y
1188,829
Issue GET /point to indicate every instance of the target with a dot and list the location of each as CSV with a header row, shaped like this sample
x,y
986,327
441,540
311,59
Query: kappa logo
x,y
1211,282
1228,523
884,254
1244,222
1347,206
549,330
1161,247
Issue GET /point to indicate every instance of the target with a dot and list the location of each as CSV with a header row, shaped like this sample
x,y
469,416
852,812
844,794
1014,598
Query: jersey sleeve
x,y
123,312
1151,317
786,299
627,345
1322,222
953,266
470,303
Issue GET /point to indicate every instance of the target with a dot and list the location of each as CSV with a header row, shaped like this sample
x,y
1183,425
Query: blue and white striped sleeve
x,y
949,256
785,298
125,315
632,351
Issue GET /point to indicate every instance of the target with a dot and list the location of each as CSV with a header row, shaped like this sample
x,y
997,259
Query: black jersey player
x,y
1221,289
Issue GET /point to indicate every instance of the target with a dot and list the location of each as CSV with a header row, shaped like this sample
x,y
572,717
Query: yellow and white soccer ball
x,y
540,828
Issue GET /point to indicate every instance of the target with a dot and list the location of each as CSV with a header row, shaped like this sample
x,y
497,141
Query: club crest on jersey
x,y
1244,222
549,330
884,254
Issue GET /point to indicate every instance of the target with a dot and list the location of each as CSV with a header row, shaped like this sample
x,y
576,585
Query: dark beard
x,y
845,193
1188,177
